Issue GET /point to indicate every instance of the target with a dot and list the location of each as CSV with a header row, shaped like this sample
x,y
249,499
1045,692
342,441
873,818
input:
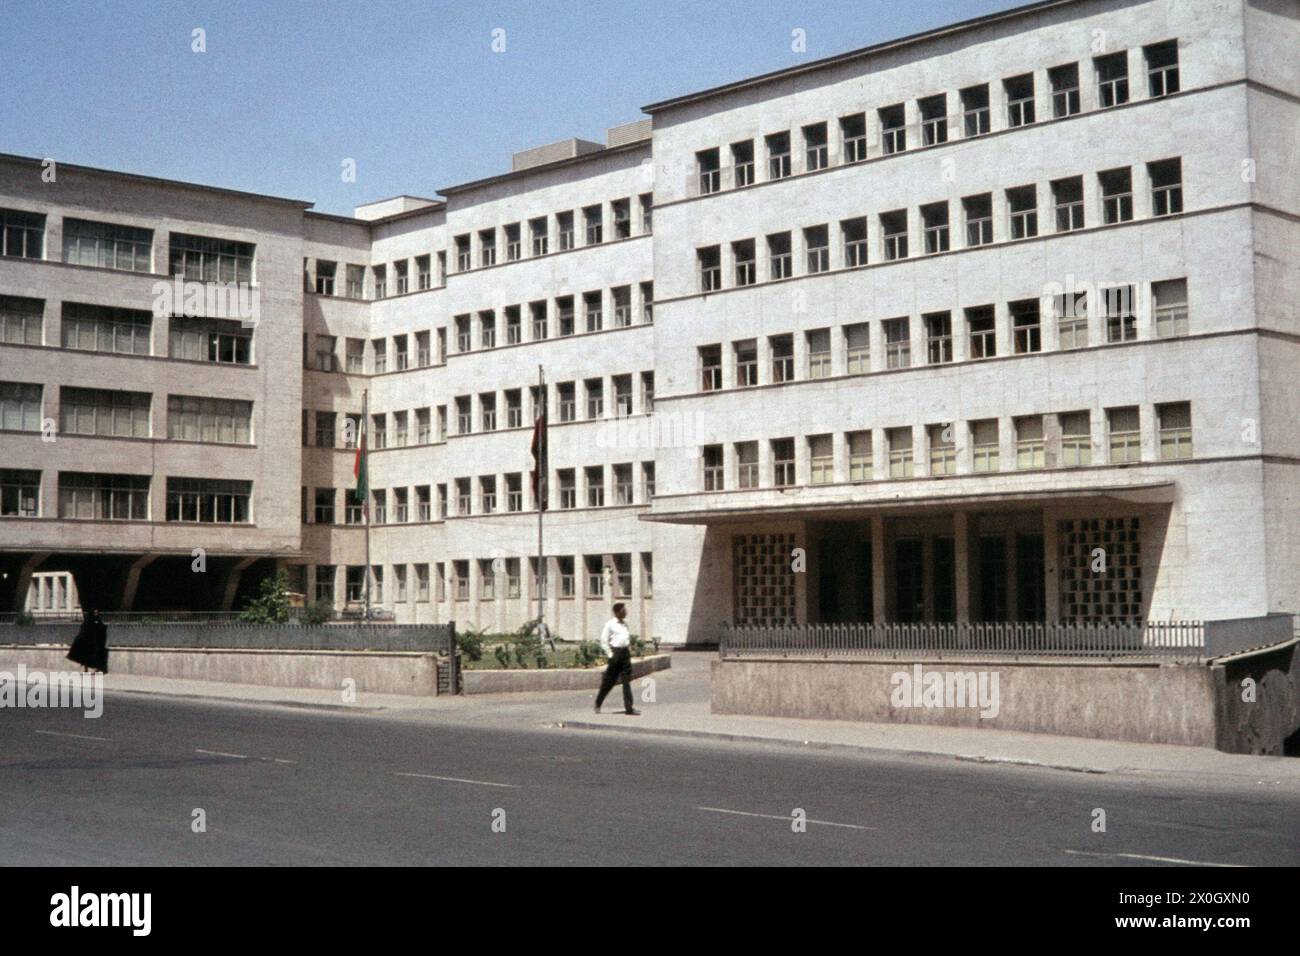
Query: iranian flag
x,y
539,452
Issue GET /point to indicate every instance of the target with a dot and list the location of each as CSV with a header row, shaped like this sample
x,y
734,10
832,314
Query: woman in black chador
x,y
90,646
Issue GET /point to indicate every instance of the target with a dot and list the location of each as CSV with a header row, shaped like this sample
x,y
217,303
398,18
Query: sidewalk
x,y
681,709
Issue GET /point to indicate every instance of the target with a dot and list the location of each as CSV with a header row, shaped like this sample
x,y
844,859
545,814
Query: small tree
x,y
272,606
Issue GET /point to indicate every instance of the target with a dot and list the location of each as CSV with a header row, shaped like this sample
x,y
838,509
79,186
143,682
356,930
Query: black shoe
x,y
633,712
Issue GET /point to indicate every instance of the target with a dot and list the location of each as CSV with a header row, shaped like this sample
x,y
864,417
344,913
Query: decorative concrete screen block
x,y
1101,569
764,578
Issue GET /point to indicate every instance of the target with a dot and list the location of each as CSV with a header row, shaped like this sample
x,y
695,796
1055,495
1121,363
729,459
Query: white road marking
x,y
773,816
218,753
1157,859
481,783
55,733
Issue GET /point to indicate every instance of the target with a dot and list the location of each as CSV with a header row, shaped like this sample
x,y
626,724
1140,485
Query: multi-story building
x,y
973,325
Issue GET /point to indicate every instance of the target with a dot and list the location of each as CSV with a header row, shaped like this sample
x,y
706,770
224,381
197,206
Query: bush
x,y
470,643
318,612
502,653
272,606
589,654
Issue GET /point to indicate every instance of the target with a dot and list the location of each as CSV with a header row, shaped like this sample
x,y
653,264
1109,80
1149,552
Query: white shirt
x,y
615,634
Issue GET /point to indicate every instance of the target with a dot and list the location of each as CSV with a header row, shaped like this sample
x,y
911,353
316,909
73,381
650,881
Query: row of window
x,y
892,234
105,497
605,576
479,330
930,120
559,232
98,328
1062,440
106,245
108,412
593,393
1117,315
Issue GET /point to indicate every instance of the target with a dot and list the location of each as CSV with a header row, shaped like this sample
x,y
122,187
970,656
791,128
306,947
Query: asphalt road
x,y
284,786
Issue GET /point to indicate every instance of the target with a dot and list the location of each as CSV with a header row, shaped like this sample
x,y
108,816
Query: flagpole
x,y
365,500
543,465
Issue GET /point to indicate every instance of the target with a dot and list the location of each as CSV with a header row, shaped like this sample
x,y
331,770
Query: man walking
x,y
616,641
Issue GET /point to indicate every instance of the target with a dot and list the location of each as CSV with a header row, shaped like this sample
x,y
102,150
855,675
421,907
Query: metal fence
x,y
1167,640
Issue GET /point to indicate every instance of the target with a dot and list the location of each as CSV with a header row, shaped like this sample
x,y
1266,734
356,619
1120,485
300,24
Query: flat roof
x,y
159,181
546,167
851,55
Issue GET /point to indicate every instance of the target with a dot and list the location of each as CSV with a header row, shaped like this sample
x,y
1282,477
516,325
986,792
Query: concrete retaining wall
x,y
1152,703
373,672
506,682
238,635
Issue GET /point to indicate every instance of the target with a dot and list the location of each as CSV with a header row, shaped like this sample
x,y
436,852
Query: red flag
x,y
539,459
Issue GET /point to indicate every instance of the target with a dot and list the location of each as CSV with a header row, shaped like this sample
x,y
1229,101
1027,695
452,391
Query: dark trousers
x,y
618,669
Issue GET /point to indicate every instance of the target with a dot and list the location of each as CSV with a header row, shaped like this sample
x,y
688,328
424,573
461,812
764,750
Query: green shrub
x,y
502,653
470,643
272,605
318,612
589,654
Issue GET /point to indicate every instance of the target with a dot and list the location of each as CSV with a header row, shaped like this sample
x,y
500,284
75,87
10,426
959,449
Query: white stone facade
x,y
927,427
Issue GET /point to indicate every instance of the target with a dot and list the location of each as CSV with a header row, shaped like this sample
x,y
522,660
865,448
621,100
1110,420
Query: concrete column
x,y
1002,328
800,342
839,347
840,458
1006,443
133,581
880,453
876,342
1042,96
961,565
878,597
763,347
1051,440
766,472
1149,429
960,336
1141,179
228,597
1001,224
1087,85
1051,580
1092,210
802,461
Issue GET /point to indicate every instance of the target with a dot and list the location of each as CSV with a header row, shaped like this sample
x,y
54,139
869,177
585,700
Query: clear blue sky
x,y
412,91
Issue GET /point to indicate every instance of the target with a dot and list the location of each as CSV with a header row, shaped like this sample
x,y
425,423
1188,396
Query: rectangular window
x,y
1076,439
203,259
975,110
356,286
622,306
594,477
647,213
708,167
402,275
1026,326
1030,447
893,228
225,341
1116,195
713,468
20,493
1166,187
381,281
778,155
593,311
1169,300
537,314
1067,197
934,221
93,411
1175,430
325,584
513,244
487,403
746,354
893,131
899,441
487,251
464,254
821,459
487,492
979,219
857,347
1022,206
20,407
780,264
816,151
853,132
898,343
22,320
783,464
108,246
860,467
647,302
593,217
854,232
1112,79
105,497
1065,89
943,449
1125,435
1071,311
710,268
984,445
564,230
746,262
982,324
938,337
423,277
782,349
1121,318
595,398
421,583
99,328
819,353
742,163
1020,99
934,119
216,420
747,464
537,231
817,243
1162,68
710,367
209,500
22,234
567,400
